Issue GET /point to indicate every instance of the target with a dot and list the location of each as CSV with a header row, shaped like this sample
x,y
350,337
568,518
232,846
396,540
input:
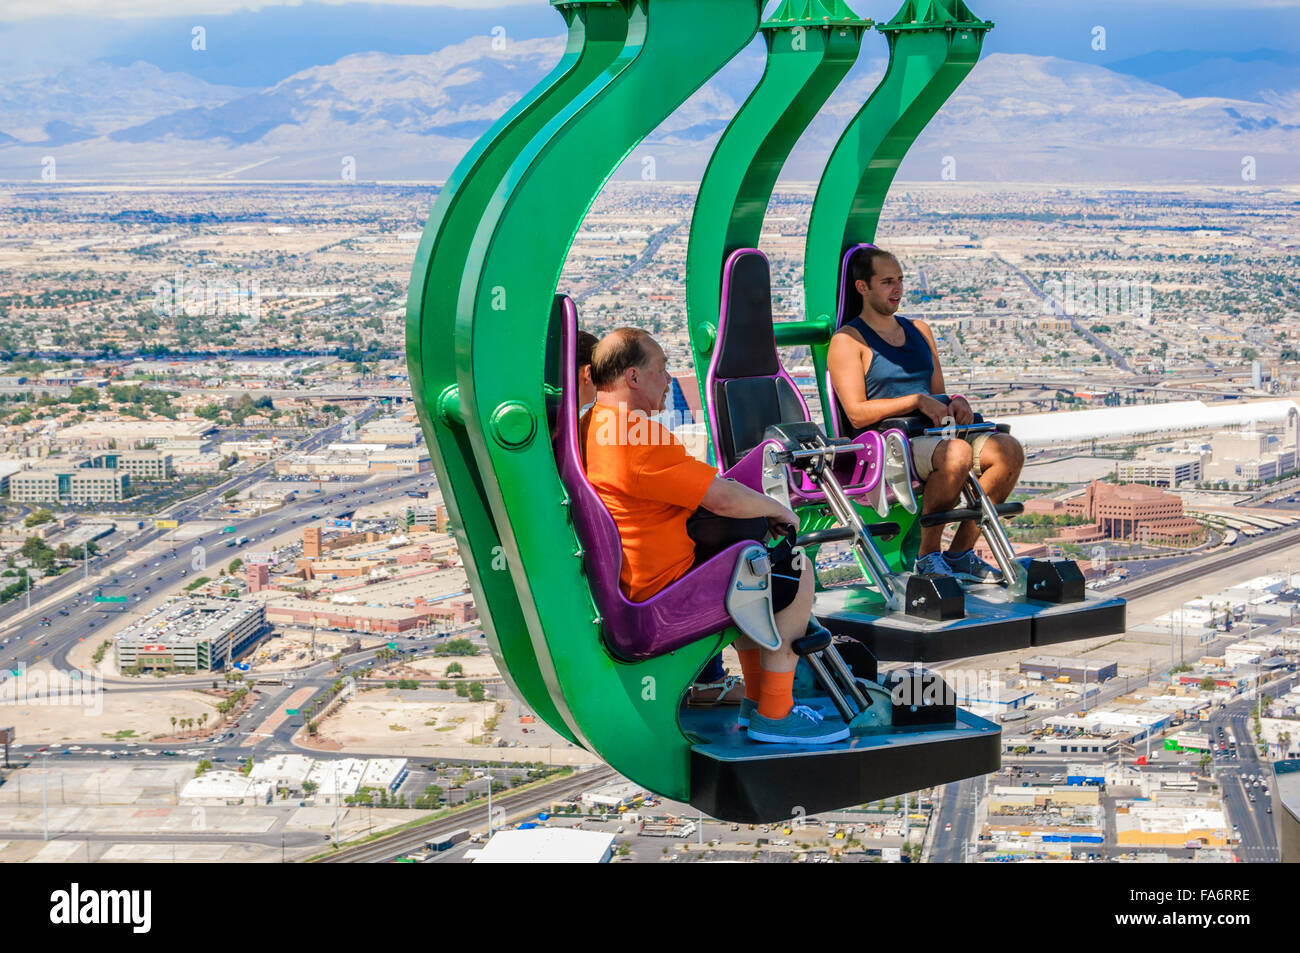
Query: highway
x,y
12,611
24,643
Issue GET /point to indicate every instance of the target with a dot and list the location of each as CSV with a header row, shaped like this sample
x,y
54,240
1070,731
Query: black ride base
x,y
993,623
745,782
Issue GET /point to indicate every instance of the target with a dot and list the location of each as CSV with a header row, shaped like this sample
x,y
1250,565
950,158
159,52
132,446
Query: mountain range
x,y
1017,117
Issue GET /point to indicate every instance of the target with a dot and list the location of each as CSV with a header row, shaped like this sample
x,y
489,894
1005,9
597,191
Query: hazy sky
x,y
258,43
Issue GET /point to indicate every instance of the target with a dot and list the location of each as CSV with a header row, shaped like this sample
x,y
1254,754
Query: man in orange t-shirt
x,y
651,486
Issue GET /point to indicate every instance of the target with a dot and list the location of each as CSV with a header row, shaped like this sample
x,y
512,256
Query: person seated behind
x,y
885,365
586,389
652,486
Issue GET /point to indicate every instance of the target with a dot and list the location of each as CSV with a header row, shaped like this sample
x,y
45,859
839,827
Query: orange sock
x,y
752,669
776,696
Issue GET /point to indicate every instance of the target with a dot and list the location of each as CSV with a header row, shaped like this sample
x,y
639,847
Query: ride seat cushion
x,y
651,485
748,406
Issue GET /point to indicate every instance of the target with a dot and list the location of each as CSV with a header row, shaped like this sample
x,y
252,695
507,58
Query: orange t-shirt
x,y
650,485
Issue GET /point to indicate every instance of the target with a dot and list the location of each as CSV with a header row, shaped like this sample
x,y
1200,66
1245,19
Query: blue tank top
x,y
897,371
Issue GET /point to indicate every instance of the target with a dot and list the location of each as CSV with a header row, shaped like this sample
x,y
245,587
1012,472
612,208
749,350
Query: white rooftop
x,y
547,845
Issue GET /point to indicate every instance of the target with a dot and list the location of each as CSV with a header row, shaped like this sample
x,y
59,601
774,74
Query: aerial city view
x,y
850,433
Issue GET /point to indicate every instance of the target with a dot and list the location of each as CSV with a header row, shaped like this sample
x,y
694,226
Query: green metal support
x,y
933,45
597,35
627,713
811,45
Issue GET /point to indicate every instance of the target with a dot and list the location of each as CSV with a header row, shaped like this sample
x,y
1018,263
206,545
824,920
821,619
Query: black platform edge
x,y
767,788
1079,621
890,644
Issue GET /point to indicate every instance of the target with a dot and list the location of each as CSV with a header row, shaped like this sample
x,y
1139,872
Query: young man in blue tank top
x,y
884,365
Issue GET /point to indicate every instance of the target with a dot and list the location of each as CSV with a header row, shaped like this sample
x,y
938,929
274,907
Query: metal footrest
x,y
965,513
745,782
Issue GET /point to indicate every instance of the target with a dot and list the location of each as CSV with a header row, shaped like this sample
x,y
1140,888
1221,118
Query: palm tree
x,y
1020,751
173,721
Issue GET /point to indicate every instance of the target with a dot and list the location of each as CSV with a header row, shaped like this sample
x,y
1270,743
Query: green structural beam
x,y
811,45
933,45
597,35
627,713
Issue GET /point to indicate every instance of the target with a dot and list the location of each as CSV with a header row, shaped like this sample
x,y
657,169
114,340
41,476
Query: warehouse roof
x,y
1058,427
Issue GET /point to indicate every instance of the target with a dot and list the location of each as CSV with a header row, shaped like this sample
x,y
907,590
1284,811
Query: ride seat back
x,y
691,608
747,388
850,306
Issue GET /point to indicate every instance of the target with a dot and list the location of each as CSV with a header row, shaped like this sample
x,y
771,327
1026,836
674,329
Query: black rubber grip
x,y
961,515
844,534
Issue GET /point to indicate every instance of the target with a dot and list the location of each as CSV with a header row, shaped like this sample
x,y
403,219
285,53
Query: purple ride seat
x,y
691,608
748,389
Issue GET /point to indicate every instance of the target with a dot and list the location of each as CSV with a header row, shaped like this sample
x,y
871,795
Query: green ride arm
x,y
933,45
808,54
625,712
596,37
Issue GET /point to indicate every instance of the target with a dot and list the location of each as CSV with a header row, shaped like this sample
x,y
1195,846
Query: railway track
x,y
1141,588
514,803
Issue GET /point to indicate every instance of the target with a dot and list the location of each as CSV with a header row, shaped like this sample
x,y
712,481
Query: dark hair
x,y
617,351
862,266
586,346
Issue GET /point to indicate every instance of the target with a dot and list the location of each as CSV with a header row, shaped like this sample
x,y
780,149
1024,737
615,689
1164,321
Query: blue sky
x,y
256,45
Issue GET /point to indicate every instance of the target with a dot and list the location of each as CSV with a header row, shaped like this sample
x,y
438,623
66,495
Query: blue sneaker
x,y
802,726
822,705
933,564
970,568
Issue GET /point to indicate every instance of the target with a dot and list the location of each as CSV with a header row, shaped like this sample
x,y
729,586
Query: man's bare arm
x,y
729,498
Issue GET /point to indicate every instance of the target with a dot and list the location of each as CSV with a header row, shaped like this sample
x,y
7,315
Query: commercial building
x,y
1248,456
334,779
194,634
1162,469
1061,668
339,779
1156,825
7,469
150,465
547,845
392,433
287,610
1134,512
219,788
612,796
284,771
68,485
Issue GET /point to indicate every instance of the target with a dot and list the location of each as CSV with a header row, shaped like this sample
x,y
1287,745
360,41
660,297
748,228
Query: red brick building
x,y
1136,512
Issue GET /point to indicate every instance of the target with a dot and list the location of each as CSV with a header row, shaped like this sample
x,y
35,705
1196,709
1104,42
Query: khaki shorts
x,y
923,449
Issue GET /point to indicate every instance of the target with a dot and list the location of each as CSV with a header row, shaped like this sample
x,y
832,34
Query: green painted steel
x,y
627,713
597,35
810,48
933,45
